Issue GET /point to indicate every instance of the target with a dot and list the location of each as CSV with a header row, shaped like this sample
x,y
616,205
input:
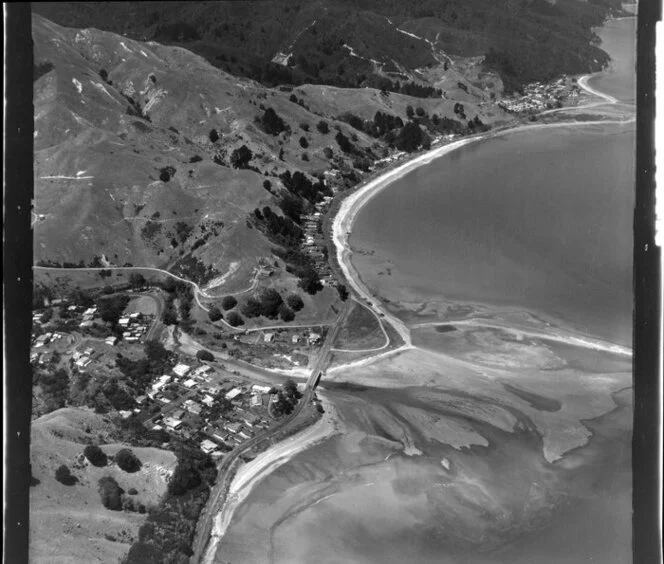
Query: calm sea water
x,y
540,220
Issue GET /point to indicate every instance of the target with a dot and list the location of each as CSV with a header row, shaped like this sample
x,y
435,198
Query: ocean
x,y
489,450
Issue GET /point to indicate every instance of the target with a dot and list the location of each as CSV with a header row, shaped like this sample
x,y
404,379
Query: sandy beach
x,y
253,472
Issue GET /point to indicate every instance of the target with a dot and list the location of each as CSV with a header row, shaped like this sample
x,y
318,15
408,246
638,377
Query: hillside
x,y
351,43
68,523
134,167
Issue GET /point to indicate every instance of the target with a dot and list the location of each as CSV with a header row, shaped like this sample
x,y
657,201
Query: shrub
x,y
323,127
286,313
95,455
127,461
132,491
304,126
166,173
303,142
234,319
204,355
195,159
294,302
305,157
240,157
214,136
267,185
214,314
64,476
344,144
420,111
229,302
110,493
328,152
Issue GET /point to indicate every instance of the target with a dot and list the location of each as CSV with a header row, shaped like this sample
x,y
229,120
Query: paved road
x,y
224,478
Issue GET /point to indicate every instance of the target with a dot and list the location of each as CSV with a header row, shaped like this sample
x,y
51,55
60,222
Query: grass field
x,y
361,331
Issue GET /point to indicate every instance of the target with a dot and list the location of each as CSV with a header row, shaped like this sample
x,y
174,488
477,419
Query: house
x,y
207,446
90,310
123,321
111,341
233,427
181,369
178,414
140,400
255,400
172,423
244,434
83,361
86,323
314,338
295,339
190,383
260,389
201,370
196,409
42,340
124,413
250,419
235,392
268,337
208,400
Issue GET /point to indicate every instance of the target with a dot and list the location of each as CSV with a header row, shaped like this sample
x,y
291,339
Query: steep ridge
x,y
133,163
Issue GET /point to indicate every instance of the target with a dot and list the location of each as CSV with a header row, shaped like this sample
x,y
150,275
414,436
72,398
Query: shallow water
x,y
502,222
541,221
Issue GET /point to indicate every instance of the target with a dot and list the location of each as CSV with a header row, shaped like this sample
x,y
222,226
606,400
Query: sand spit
x,y
264,464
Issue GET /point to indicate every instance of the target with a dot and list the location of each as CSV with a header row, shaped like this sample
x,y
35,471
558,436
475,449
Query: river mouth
x,y
504,433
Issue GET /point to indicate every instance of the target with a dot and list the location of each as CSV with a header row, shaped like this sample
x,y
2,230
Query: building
x,y
233,427
296,339
181,369
268,337
207,446
314,338
235,392
172,423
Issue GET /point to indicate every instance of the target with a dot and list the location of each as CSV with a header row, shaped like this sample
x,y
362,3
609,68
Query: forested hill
x,y
352,43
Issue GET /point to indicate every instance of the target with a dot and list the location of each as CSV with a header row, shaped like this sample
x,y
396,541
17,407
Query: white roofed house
x,y
181,369
207,446
235,392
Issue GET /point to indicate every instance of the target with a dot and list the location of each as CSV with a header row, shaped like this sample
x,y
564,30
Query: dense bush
x,y
285,313
234,319
323,127
95,455
303,142
271,123
205,355
229,302
240,157
110,493
166,173
64,476
294,302
214,314
127,461
344,144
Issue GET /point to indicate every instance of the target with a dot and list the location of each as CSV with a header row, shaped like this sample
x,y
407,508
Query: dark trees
x,y
95,455
271,123
214,136
234,319
294,302
343,292
240,157
110,493
205,355
229,302
323,127
64,476
127,461
214,314
310,281
136,280
344,143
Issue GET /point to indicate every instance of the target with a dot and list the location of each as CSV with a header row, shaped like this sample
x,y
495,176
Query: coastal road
x,y
225,477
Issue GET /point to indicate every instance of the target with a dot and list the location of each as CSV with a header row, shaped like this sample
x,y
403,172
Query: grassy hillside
x,y
528,39
68,523
134,164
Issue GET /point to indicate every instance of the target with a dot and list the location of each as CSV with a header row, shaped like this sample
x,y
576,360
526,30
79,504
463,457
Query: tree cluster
x,y
271,123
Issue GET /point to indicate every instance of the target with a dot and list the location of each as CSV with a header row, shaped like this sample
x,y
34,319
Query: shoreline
x,y
248,475
351,205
